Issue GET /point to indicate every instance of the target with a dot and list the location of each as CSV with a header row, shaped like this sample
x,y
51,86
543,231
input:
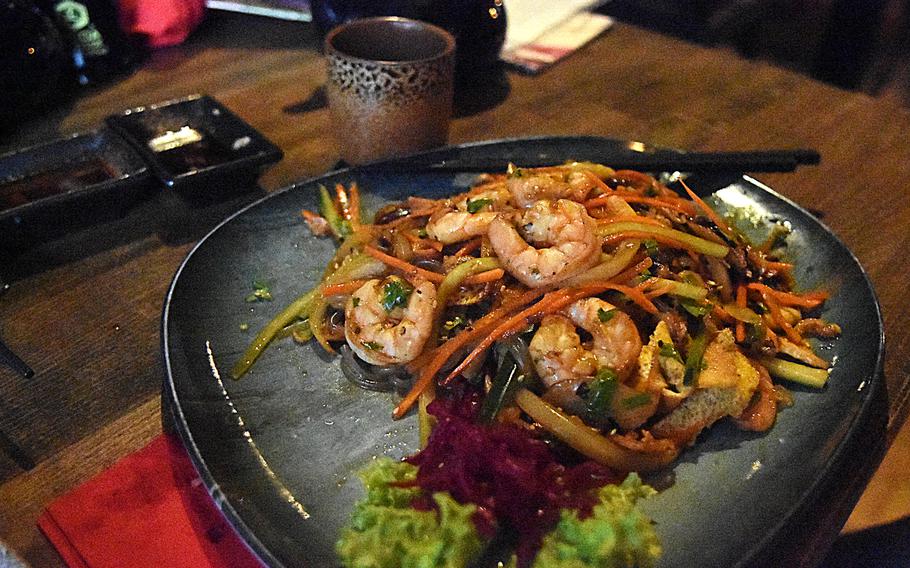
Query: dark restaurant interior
x,y
195,191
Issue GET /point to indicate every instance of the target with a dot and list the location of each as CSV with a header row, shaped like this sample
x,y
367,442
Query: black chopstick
x,y
7,357
15,452
762,161
11,360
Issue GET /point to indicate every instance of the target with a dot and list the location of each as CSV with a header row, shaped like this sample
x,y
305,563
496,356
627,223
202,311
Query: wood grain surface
x,y
85,311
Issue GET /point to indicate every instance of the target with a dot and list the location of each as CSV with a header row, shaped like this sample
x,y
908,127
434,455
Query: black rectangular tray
x,y
229,148
50,189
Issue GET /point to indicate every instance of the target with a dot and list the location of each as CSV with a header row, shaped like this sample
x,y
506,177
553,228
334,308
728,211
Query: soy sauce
x,y
68,177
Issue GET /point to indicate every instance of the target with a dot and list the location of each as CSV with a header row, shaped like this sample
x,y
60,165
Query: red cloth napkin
x,y
162,22
149,509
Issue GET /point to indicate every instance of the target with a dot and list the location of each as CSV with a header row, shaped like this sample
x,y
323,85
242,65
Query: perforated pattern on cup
x,y
397,85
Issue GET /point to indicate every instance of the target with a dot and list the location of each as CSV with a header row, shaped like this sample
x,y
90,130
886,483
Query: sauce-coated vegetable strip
x,y
342,202
654,287
636,177
422,242
809,301
775,265
469,247
777,317
609,267
710,213
592,177
796,372
433,361
669,236
740,330
348,248
590,442
356,213
722,314
642,235
409,217
317,322
681,205
461,274
327,208
342,289
742,314
299,306
412,271
635,295
634,271
633,219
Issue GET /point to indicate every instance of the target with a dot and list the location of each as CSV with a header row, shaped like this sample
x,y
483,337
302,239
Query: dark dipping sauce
x,y
67,177
194,156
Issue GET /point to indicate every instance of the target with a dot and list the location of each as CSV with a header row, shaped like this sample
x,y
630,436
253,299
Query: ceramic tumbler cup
x,y
389,87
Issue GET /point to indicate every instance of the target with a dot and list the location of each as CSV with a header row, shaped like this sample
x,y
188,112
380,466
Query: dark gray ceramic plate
x,y
279,448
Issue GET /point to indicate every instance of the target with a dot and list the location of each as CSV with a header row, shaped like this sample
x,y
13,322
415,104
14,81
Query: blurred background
x,y
854,44
50,50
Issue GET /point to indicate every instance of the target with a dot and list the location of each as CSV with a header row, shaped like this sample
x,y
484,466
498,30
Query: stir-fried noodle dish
x,y
593,315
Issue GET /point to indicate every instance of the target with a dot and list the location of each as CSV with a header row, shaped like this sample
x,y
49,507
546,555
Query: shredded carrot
x,y
675,203
810,300
633,271
776,265
633,294
469,247
778,318
409,270
409,217
342,289
740,329
430,365
343,202
548,304
423,243
710,213
599,183
635,176
354,198
412,272
310,216
721,314
485,277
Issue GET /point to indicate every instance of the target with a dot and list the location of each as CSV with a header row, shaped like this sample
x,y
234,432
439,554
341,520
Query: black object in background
x,y
479,26
99,48
34,63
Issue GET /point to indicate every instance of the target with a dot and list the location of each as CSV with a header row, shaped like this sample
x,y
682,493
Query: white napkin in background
x,y
529,19
541,32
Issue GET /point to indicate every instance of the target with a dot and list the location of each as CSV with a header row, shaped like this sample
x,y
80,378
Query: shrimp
x,y
527,188
616,342
565,230
564,362
468,217
388,321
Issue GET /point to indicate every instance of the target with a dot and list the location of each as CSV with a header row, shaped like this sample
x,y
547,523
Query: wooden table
x,y
85,311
